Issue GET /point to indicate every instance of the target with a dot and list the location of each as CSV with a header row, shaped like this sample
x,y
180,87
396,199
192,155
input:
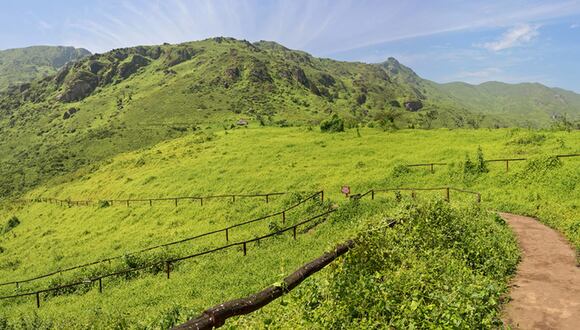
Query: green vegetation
x,y
223,116
23,65
133,98
442,267
480,256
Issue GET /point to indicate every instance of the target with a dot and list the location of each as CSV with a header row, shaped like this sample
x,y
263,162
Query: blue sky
x,y
442,40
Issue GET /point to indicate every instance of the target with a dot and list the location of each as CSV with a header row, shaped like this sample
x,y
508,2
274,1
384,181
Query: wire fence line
x,y
225,230
504,160
169,263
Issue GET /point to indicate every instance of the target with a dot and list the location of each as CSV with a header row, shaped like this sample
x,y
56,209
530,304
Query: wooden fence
x,y
504,160
446,190
150,201
216,316
169,263
225,230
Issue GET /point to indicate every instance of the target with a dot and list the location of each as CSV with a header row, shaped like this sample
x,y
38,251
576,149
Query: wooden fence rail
x,y
504,160
128,202
216,316
446,190
167,263
225,230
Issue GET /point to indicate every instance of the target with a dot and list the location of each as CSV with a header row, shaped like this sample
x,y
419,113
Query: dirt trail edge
x,y
545,292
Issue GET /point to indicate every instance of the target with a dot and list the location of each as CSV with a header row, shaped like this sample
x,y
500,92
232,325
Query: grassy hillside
x,y
132,98
259,159
530,104
23,65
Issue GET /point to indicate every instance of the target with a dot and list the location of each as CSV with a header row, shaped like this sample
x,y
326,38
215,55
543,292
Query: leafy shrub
x,y
104,204
440,267
542,164
274,227
399,170
333,124
479,166
11,224
528,139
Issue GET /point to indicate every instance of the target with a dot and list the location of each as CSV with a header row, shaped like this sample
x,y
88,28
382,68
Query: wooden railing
x,y
166,263
505,160
216,316
150,201
446,190
225,230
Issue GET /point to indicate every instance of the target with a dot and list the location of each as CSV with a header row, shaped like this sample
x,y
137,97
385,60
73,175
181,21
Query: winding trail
x,y
545,292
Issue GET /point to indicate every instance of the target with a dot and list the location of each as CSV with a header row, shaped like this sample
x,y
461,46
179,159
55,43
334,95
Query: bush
x,y
11,224
104,204
479,166
334,124
528,139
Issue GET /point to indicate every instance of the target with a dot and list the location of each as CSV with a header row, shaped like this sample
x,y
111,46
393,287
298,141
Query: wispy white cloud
x,y
516,36
44,25
575,26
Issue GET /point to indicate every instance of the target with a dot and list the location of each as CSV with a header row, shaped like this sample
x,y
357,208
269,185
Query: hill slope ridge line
x,y
546,290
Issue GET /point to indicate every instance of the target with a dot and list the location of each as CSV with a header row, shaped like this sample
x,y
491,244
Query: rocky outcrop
x,y
78,86
179,55
69,113
259,73
127,68
413,106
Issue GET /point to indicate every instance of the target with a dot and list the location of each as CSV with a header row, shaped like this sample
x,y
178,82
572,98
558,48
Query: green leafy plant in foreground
x,y
440,267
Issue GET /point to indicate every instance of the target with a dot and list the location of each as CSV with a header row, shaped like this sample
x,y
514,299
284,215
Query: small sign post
x,y
345,190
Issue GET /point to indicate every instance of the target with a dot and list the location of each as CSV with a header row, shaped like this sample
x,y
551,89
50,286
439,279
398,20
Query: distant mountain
x,y
532,103
22,65
104,104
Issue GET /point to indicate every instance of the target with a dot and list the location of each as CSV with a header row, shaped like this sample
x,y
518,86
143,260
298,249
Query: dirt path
x,y
546,290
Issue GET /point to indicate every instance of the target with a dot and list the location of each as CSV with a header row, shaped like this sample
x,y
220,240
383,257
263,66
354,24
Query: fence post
x,y
294,232
233,198
168,268
176,202
227,235
245,250
372,194
127,203
100,285
322,195
507,165
413,194
17,285
478,198
150,202
447,196
267,201
283,217
38,300
432,170
201,201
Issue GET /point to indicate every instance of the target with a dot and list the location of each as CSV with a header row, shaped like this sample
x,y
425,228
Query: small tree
x,y
334,124
481,165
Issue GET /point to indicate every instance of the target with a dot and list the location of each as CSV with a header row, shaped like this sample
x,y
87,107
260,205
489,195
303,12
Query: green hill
x,y
130,98
529,103
407,275
22,65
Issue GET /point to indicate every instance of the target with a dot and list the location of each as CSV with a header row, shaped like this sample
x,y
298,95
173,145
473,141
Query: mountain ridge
x,y
22,65
129,98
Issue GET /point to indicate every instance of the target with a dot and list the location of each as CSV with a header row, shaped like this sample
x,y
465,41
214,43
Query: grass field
x,y
252,160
